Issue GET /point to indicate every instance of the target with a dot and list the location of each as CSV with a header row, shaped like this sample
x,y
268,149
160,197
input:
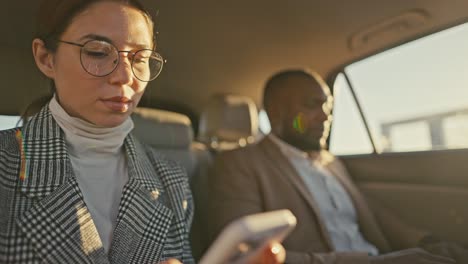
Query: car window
x,y
413,97
348,133
7,122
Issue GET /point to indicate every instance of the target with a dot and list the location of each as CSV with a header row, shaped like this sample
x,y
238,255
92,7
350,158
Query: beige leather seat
x,y
228,121
171,134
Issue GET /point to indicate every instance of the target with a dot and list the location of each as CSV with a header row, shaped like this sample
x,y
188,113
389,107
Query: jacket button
x,y
155,194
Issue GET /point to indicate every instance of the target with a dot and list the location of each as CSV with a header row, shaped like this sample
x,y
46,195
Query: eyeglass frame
x,y
118,57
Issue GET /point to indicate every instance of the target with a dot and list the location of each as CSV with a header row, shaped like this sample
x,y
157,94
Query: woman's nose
x,y
123,73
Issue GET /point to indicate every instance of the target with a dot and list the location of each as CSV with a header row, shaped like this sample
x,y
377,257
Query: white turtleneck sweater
x,y
99,164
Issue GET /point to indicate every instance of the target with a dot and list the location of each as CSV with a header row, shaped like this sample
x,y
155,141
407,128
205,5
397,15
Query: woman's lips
x,y
118,104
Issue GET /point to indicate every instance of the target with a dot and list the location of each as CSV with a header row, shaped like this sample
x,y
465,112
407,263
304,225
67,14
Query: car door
x,y
401,127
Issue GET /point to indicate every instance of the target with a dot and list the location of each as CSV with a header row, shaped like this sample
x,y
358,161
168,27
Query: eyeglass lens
x,y
100,58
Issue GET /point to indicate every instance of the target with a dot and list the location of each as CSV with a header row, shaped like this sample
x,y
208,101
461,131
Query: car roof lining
x,y
217,47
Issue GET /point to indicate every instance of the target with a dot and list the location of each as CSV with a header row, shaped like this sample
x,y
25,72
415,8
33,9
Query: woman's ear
x,y
44,58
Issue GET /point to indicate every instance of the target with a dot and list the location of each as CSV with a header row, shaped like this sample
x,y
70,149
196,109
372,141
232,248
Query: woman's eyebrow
x,y
97,37
108,40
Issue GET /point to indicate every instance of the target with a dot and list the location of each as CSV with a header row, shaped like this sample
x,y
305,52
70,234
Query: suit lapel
x,y
60,228
58,224
286,170
366,219
144,212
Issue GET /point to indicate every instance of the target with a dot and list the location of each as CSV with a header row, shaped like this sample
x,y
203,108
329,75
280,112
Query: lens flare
x,y
298,123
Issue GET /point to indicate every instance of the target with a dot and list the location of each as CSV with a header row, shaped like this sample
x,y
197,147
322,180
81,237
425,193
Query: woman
x,y
75,186
67,169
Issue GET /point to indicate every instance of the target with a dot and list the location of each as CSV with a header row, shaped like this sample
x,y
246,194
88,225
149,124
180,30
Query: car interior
x,y
405,145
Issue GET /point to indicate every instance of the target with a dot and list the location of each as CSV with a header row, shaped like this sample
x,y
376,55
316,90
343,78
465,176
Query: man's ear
x,y
276,117
44,58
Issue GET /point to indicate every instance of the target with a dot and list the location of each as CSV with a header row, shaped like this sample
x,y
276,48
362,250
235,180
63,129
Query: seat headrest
x,y
229,119
162,129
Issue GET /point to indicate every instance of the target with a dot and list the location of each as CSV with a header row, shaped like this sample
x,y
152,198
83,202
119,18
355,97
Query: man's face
x,y
306,114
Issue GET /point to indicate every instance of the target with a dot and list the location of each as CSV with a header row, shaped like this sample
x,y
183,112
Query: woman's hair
x,y
53,18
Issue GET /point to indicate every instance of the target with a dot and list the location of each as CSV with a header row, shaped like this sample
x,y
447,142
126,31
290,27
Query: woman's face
x,y
104,101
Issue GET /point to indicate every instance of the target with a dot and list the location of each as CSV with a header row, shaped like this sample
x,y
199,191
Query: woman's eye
x,y
96,53
140,59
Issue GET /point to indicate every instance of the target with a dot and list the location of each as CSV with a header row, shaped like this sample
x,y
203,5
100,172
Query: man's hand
x,y
411,256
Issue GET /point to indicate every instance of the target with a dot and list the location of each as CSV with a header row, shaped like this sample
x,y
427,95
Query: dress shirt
x,y
335,205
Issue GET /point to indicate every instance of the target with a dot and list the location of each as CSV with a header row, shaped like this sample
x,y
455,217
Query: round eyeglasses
x,y
100,58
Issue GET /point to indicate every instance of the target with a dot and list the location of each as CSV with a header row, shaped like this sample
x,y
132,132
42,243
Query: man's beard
x,y
303,142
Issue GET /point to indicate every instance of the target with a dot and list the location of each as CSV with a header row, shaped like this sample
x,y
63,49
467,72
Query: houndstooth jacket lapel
x,y
144,215
58,224
153,213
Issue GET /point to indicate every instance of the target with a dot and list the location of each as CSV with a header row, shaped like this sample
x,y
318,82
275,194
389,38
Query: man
x,y
289,169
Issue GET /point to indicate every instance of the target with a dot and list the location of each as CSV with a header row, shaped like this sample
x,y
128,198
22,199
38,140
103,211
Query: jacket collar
x,y
45,151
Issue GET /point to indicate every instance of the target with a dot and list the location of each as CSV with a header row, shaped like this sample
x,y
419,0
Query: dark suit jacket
x,y
44,219
260,178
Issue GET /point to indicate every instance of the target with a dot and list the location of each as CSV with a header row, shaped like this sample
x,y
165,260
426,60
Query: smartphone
x,y
246,236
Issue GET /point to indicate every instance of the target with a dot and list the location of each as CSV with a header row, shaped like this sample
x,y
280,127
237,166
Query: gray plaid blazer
x,y
44,219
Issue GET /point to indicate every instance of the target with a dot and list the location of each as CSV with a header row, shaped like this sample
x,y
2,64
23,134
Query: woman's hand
x,y
171,261
274,253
